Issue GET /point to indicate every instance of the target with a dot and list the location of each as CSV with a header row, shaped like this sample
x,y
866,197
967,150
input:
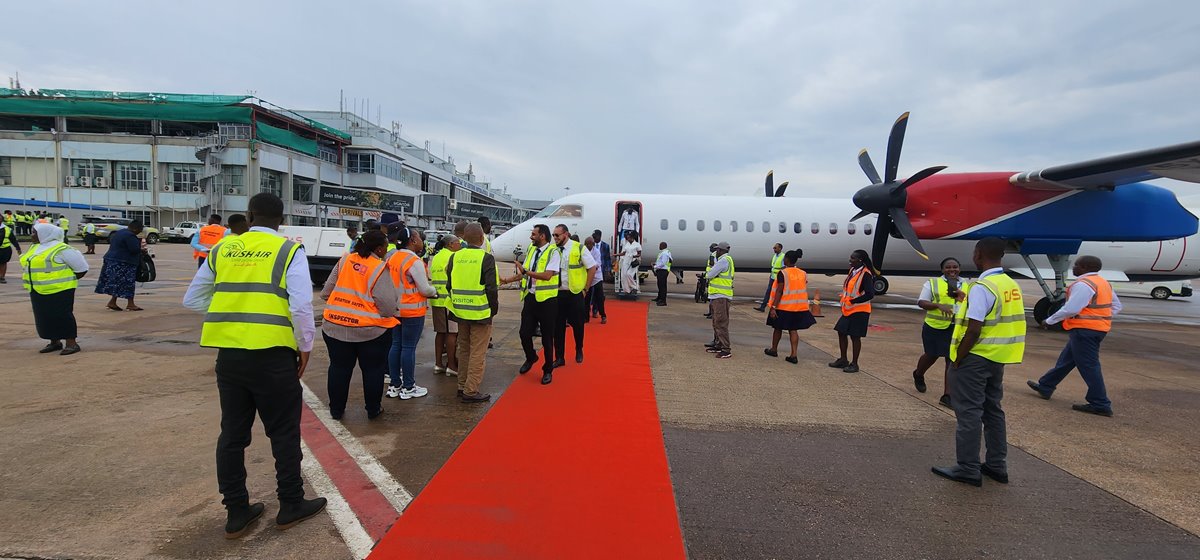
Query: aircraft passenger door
x,y
1170,254
628,218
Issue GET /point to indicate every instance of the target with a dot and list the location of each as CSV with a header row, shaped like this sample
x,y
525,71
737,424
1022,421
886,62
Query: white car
x,y
182,232
1158,289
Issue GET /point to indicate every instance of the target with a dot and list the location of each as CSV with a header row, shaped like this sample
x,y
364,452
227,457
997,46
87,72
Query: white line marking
x,y
395,493
352,531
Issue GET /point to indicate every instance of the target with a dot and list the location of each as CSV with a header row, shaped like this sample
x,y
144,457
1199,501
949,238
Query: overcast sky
x,y
665,96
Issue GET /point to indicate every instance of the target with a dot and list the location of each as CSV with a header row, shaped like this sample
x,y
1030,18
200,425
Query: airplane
x,y
1097,207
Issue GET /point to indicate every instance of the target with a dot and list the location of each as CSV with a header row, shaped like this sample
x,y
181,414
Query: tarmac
x,y
109,452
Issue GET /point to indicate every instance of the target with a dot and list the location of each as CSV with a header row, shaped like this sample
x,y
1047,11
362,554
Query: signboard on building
x,y
498,214
367,199
307,210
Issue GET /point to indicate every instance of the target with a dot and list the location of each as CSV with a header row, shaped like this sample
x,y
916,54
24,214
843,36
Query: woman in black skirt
x,y
857,292
789,305
119,273
53,306
938,300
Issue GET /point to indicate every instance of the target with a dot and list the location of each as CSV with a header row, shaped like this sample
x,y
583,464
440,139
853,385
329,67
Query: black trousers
x,y
535,314
262,382
595,300
661,274
372,358
570,310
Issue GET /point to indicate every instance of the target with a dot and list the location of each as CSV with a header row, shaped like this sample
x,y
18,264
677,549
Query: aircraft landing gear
x,y
881,285
1045,307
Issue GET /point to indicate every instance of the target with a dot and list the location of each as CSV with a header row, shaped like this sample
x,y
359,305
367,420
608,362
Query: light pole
x,y
568,191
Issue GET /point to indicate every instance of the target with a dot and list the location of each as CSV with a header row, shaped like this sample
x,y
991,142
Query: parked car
x,y
1160,289
105,226
181,233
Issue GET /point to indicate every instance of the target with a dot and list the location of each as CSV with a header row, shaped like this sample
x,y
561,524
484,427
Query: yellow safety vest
x,y
660,253
1002,339
543,290
468,300
7,237
9,220
776,265
576,272
437,277
249,309
934,317
722,284
45,276
65,224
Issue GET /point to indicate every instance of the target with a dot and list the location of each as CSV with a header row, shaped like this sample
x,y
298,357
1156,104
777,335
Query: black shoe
x,y
1091,409
525,367
852,368
712,345
919,381
723,355
547,377
560,363
604,320
954,473
712,349
945,401
70,350
792,360
459,393
336,415
770,352
708,315
760,309
839,363
374,415
579,357
476,397
1001,477
661,304
292,513
52,347
238,519
1040,391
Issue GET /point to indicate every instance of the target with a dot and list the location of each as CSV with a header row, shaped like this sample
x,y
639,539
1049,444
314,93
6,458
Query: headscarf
x,y
49,235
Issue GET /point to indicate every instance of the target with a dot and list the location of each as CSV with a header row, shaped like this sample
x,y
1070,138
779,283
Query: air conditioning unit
x,y
453,204
85,181
3,181
101,182
195,189
231,191
166,188
72,181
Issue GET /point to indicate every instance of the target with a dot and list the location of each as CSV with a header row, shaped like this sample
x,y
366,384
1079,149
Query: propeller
x,y
887,197
782,187
770,186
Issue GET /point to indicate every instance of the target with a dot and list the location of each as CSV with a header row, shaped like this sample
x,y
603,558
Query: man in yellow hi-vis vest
x,y
540,280
989,332
256,291
580,268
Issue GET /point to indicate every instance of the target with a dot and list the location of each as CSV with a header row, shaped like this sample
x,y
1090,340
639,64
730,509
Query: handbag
x,y
146,271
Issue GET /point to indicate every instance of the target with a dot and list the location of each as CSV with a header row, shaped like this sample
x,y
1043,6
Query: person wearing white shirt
x,y
937,299
630,255
662,269
630,222
570,304
1087,316
538,314
594,301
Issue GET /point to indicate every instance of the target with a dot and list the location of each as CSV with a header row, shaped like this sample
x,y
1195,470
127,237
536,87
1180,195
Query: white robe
x,y
629,281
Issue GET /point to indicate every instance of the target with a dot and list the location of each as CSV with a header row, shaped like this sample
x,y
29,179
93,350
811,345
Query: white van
x,y
1159,289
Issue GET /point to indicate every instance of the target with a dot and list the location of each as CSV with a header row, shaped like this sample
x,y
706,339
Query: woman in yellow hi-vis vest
x,y
52,270
937,299
857,292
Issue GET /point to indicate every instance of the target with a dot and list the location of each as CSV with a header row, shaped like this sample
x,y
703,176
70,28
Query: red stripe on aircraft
x,y
944,205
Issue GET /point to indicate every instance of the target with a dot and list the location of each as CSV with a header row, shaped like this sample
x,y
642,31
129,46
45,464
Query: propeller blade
x,y
895,143
860,215
770,183
915,178
868,167
883,228
782,187
906,230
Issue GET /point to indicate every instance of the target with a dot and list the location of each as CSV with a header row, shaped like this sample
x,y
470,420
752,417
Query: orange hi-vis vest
x,y
209,236
1097,316
412,303
351,304
851,289
795,290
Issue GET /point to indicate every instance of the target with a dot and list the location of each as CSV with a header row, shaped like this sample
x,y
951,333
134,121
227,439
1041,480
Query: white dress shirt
x,y
927,290
596,256
552,264
664,257
629,220
585,256
980,299
299,288
1080,295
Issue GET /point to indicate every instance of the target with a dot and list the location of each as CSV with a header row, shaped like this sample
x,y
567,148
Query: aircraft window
x,y
850,229
750,227
766,227
682,225
664,225
832,228
782,227
545,213
716,225
798,227
699,225
733,225
867,229
816,228
562,211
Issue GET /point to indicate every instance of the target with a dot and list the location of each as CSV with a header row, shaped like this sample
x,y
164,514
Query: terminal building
x,y
164,158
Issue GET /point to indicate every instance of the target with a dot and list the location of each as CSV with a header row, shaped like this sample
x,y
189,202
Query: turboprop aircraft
x,y
1098,207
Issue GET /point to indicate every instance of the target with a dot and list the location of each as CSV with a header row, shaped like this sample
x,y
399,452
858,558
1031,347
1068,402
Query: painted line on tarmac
x,y
344,519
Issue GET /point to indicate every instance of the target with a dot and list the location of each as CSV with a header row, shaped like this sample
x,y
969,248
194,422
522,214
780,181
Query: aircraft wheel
x,y
881,285
1045,308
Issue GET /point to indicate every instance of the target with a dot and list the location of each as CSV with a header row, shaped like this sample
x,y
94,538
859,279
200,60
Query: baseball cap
x,y
723,246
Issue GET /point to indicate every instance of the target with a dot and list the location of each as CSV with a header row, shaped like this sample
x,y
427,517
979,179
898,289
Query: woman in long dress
x,y
630,255
53,307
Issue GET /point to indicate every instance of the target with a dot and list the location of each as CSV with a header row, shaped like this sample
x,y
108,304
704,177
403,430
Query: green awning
x,y
285,138
185,112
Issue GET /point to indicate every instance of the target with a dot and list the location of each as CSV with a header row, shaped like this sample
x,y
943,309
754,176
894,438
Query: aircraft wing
x,y
1181,162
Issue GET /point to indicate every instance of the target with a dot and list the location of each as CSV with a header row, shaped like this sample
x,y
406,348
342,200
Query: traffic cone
x,y
815,306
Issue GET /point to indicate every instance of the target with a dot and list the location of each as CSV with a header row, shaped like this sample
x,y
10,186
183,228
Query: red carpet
x,y
574,469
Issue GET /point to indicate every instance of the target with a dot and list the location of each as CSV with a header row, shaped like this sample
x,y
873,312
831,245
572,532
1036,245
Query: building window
x,y
663,225
133,176
699,225
850,229
271,181
716,225
733,225
437,186
816,228
328,153
782,227
142,215
832,228
231,180
412,178
358,162
682,225
183,178
749,227
798,227
302,190
867,229
5,171
88,173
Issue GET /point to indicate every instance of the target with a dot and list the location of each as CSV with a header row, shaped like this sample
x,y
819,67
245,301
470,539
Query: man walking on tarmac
x,y
1087,317
539,278
989,332
257,294
776,266
205,238
720,296
581,269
